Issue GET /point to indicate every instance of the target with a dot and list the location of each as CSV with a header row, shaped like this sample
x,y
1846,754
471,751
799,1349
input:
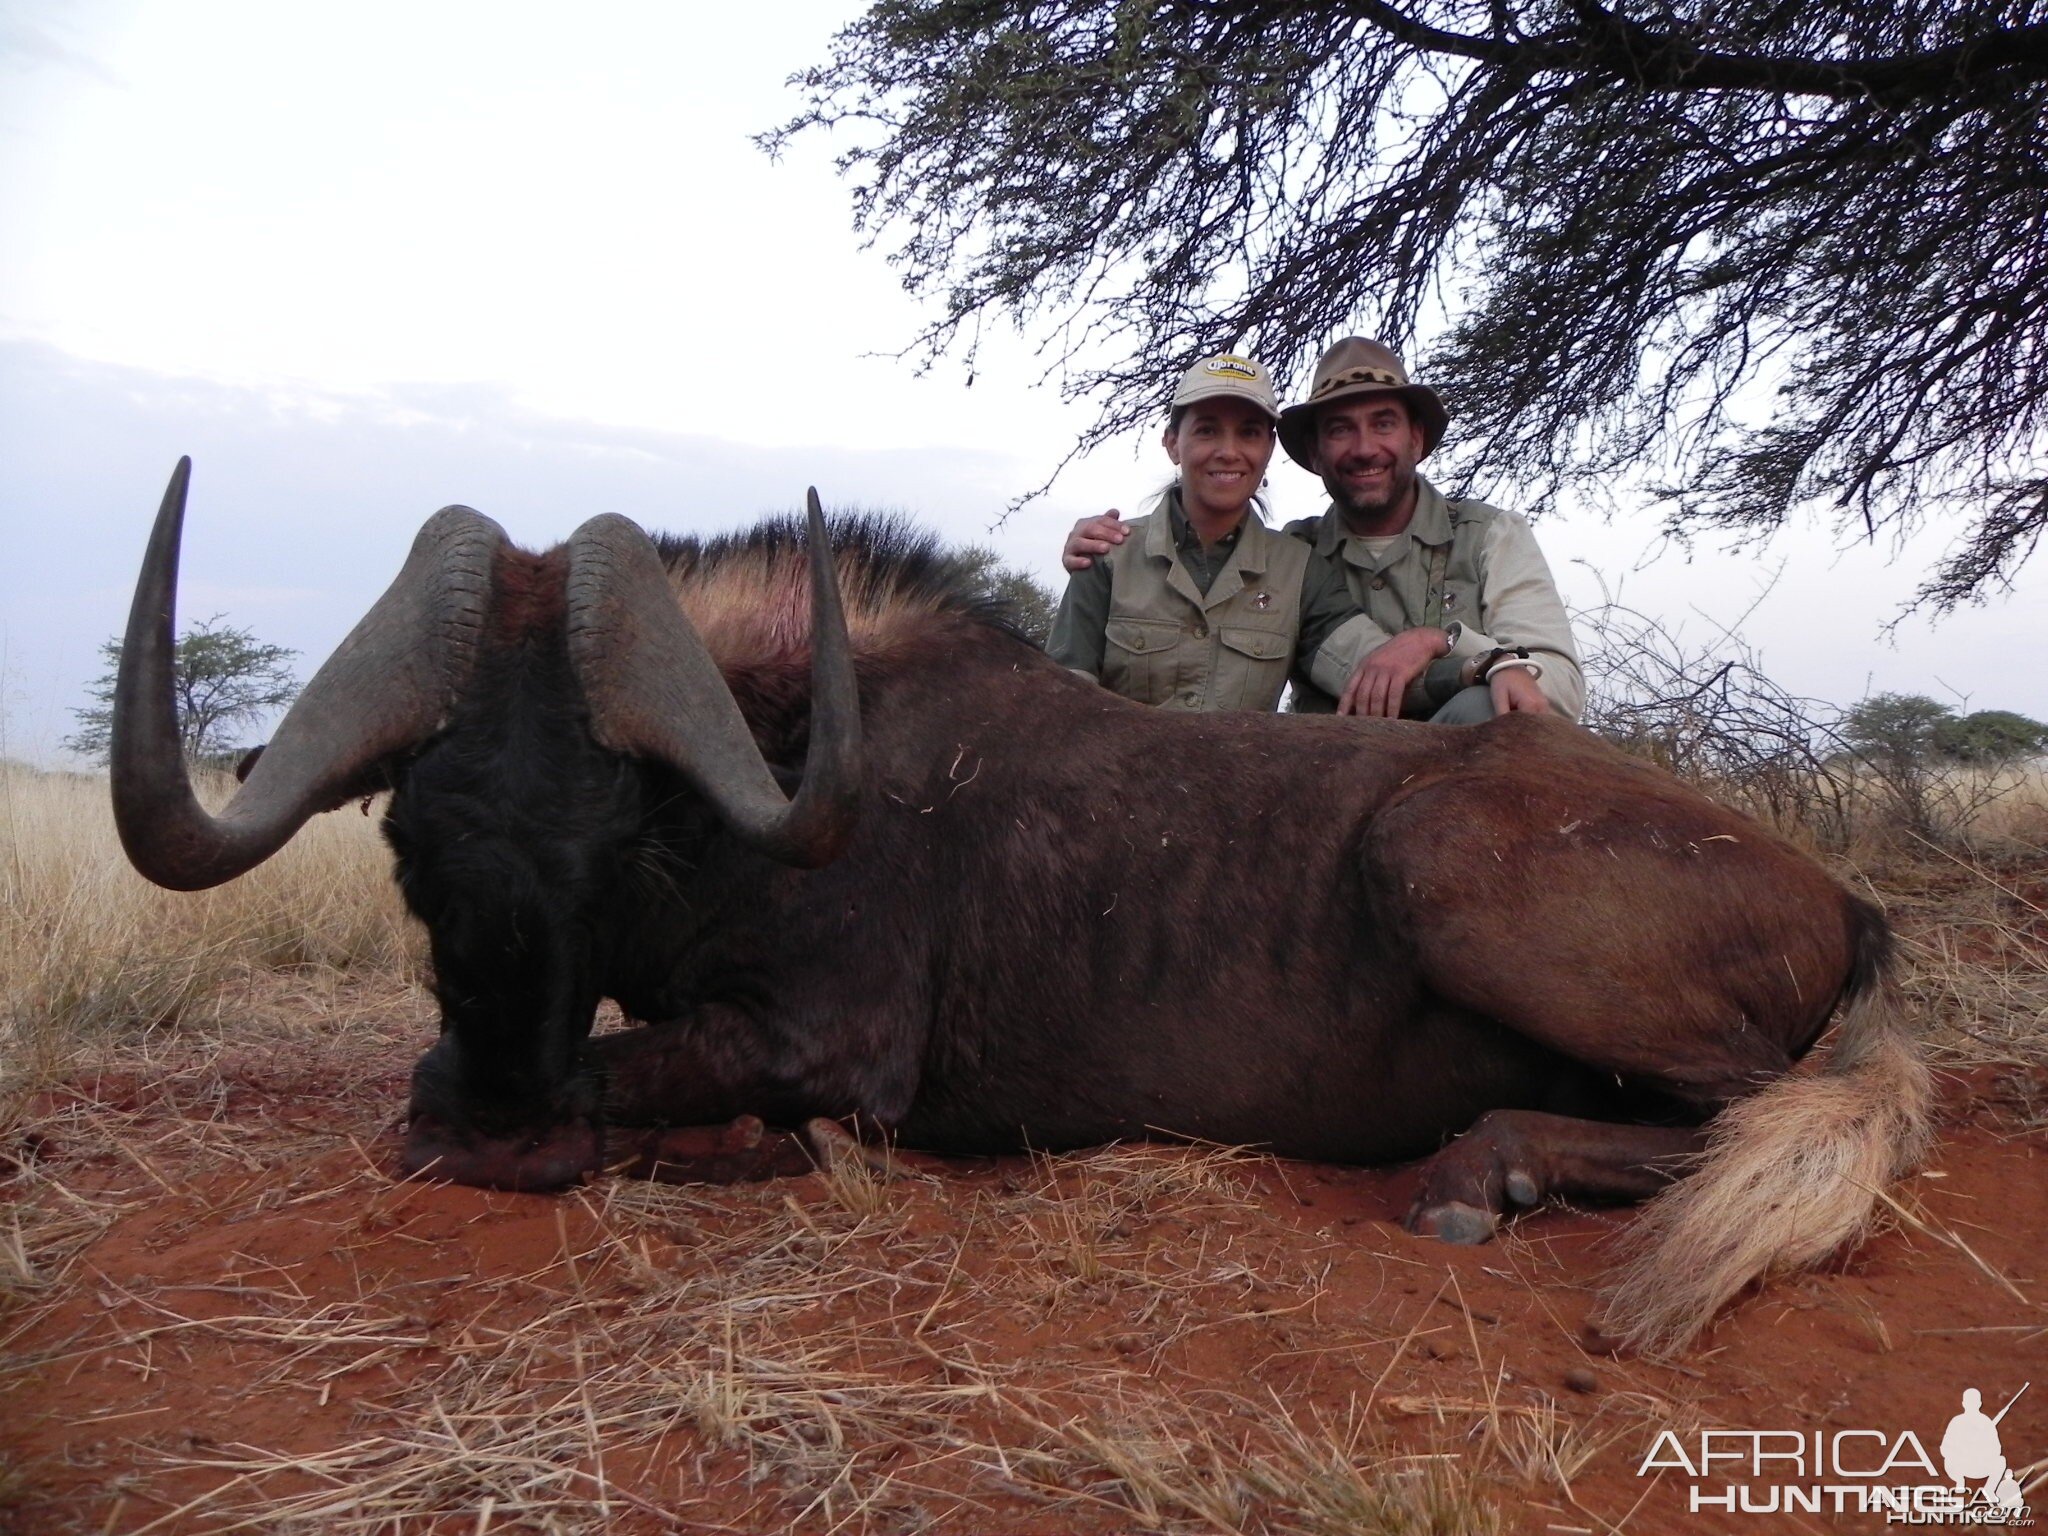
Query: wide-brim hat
x,y
1356,366
1232,375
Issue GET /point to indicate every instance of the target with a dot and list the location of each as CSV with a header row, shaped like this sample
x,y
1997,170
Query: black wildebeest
x,y
1005,908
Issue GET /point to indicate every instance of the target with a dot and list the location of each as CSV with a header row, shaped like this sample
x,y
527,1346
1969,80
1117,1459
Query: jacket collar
x,y
1430,526
1253,554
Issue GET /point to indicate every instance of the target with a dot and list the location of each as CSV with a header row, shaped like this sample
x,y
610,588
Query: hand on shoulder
x,y
1093,536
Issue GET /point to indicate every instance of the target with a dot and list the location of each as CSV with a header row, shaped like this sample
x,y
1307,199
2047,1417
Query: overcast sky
x,y
361,261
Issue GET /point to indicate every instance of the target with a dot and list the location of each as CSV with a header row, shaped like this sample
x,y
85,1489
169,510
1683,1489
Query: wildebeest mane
x,y
749,593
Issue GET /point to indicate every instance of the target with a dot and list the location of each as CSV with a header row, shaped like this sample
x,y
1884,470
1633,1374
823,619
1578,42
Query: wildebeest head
x,y
516,706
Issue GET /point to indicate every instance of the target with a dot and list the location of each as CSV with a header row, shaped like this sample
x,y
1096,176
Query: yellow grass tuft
x,y
87,945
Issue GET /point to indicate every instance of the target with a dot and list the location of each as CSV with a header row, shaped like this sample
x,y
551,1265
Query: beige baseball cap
x,y
1227,373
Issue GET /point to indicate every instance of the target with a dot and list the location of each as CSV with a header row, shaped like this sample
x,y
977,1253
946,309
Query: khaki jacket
x,y
1169,644
1468,567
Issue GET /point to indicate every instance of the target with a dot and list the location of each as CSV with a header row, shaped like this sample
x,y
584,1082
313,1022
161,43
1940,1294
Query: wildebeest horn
x,y
387,688
655,692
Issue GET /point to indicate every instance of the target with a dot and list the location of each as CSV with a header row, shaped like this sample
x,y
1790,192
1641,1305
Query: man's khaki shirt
x,y
1470,568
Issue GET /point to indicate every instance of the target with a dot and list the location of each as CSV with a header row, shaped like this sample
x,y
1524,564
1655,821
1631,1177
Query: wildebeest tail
x,y
1789,1175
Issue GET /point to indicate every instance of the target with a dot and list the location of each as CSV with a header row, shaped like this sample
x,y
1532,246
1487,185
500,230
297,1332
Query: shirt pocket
x,y
1137,658
1254,662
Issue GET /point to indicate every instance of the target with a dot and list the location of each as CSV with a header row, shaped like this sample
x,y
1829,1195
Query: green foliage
x,y
1990,736
1902,729
1895,729
1910,743
1638,211
1031,605
225,678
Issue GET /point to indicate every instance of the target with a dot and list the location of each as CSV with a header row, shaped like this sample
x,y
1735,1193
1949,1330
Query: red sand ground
x,y
262,1285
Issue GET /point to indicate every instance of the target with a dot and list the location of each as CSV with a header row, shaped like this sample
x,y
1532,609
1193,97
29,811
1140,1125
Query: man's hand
x,y
1515,692
1382,676
1093,536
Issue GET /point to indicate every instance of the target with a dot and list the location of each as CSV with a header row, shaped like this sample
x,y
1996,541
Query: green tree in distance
x,y
224,679
1990,736
1895,731
1634,212
1900,731
1906,739
1030,604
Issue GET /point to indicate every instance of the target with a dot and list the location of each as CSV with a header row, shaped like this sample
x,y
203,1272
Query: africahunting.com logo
x,y
1855,1471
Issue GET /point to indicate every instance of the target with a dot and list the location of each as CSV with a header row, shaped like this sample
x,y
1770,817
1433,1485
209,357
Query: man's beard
x,y
1370,509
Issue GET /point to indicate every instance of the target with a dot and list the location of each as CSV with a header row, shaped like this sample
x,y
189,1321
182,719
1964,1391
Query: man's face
x,y
1366,451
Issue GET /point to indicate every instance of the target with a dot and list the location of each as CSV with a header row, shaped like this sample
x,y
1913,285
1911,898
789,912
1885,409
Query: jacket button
x,y
1201,631
1378,582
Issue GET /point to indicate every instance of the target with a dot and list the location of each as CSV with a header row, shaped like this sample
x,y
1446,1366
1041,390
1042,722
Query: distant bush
x,y
1991,736
1889,763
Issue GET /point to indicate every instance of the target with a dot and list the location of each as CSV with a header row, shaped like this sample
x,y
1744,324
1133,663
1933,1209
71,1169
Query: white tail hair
x,y
1789,1175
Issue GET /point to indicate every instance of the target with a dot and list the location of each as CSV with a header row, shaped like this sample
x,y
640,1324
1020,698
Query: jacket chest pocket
x,y
1137,658
1252,666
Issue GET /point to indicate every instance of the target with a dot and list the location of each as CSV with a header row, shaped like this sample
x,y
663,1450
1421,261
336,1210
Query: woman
x,y
1203,606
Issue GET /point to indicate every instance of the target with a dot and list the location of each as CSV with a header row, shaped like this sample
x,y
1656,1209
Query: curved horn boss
x,y
387,688
655,692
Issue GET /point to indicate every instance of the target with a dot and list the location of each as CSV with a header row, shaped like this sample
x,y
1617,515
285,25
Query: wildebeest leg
x,y
659,1075
1689,963
741,1152
1684,959
1519,1157
680,1106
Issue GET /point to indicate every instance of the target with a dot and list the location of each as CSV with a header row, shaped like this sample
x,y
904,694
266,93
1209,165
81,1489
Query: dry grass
x,y
88,946
793,1360
1973,930
90,952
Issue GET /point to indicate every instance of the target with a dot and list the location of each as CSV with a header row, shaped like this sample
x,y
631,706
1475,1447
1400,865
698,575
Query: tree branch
x,y
1620,49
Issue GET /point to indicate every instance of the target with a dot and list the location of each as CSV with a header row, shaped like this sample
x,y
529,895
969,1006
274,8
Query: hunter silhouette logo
x,y
1971,1451
1856,1471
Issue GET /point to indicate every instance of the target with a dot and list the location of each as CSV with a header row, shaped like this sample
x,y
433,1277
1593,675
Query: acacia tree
x,y
223,678
1029,603
1780,253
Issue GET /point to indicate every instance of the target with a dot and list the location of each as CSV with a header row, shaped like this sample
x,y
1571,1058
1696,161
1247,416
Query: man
x,y
1461,620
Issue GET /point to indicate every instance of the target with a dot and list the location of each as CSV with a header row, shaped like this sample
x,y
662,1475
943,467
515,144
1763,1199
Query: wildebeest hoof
x,y
1455,1222
536,1163
745,1134
832,1144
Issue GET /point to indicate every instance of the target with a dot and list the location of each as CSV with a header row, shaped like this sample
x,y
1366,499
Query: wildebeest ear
x,y
248,761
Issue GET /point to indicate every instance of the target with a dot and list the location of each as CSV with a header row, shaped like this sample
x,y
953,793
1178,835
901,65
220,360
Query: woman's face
x,y
1222,446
